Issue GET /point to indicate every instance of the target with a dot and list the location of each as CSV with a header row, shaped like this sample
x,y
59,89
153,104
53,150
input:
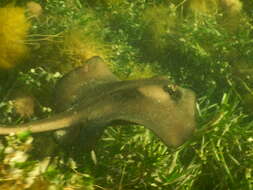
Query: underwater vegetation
x,y
203,45
34,9
80,46
13,33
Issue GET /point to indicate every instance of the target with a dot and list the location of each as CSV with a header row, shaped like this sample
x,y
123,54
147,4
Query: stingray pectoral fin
x,y
154,109
79,82
172,132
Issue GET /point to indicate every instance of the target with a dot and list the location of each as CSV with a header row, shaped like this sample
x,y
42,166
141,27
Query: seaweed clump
x,y
79,47
13,32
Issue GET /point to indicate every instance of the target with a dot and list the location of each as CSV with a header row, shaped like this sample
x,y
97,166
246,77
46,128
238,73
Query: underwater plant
x,y
159,21
34,9
13,32
79,46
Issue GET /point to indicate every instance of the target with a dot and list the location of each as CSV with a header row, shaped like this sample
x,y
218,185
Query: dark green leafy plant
x,y
18,171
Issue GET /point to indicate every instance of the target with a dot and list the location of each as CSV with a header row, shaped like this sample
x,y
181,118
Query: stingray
x,y
90,98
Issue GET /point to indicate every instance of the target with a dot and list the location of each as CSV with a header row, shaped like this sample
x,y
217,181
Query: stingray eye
x,y
171,89
174,91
